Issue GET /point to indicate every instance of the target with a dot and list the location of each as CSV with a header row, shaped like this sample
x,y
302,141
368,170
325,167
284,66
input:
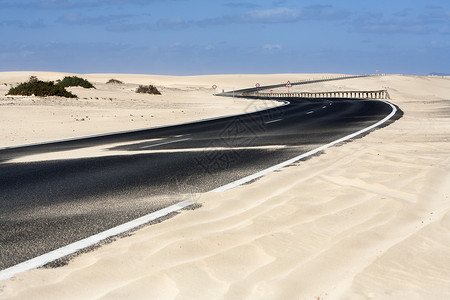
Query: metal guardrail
x,y
238,93
256,92
380,94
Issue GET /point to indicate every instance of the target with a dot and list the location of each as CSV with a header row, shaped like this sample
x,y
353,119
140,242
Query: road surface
x,y
55,194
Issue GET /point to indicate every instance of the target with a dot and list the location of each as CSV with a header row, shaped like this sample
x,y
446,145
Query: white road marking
x,y
74,247
92,240
273,121
324,107
302,156
165,143
310,112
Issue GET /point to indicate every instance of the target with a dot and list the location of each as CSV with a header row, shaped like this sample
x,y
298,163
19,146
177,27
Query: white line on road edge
x,y
300,157
74,247
165,143
92,240
273,121
309,112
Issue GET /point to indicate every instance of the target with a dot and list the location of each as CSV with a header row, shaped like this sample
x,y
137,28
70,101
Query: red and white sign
x,y
258,85
288,84
214,86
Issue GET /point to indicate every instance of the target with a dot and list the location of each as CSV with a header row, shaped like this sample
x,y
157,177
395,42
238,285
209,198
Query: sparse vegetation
x,y
39,88
114,81
75,81
149,89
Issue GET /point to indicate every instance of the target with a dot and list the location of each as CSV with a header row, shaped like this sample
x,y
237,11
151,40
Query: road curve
x,y
57,193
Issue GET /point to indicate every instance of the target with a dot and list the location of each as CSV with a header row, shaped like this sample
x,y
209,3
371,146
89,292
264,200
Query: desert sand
x,y
369,219
114,107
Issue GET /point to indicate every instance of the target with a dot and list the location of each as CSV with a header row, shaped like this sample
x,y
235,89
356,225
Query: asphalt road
x,y
47,203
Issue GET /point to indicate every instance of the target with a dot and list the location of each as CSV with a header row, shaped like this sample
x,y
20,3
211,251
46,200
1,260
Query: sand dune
x,y
368,219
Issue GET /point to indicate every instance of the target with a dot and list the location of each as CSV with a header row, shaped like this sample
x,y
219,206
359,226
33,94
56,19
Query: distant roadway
x,y
58,197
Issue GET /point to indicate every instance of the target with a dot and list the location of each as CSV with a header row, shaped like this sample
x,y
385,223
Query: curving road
x,y
54,194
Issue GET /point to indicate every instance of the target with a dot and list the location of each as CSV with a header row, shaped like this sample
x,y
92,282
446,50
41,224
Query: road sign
x,y
214,86
288,85
258,85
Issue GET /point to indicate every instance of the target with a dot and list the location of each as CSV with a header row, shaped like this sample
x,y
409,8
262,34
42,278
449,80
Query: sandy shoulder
x,y
115,107
369,219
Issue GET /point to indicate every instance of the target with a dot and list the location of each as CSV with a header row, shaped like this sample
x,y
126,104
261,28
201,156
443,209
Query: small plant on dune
x,y
149,89
39,88
75,81
114,81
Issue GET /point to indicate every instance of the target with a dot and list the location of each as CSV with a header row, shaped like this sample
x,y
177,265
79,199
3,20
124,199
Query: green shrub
x,y
75,81
40,88
149,89
114,81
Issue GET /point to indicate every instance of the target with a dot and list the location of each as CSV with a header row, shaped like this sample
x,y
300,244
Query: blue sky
x,y
193,37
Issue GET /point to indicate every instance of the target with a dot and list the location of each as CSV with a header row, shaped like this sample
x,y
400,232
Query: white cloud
x,y
63,4
281,14
272,47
